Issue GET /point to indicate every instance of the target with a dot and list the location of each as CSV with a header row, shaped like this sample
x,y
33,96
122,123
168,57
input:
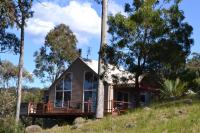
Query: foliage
x,y
8,126
190,76
8,107
59,49
8,41
194,62
173,89
192,72
32,95
8,100
22,12
7,103
9,74
7,112
152,38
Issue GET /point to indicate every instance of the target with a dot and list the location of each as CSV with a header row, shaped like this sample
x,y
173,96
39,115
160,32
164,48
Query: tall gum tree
x,y
22,13
100,91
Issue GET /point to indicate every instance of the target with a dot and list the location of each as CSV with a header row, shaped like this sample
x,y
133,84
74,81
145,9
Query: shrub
x,y
7,125
7,103
173,88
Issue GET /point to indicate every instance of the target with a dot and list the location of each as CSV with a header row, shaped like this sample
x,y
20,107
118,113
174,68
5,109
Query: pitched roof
x,y
111,72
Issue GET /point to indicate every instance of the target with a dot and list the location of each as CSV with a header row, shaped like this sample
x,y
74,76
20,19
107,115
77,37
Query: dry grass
x,y
173,118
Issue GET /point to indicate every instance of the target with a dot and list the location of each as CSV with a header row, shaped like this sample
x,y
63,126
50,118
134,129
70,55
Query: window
x,y
122,96
63,91
90,88
88,81
68,82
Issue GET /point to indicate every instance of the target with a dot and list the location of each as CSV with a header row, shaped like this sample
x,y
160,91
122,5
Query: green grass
x,y
172,118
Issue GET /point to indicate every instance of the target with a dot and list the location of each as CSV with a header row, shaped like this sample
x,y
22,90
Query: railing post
x,y
28,108
88,105
68,102
112,105
43,108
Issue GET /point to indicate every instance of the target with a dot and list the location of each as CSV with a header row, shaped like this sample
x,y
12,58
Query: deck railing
x,y
67,107
117,106
70,107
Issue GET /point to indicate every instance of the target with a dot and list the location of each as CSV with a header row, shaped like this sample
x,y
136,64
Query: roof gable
x,y
111,71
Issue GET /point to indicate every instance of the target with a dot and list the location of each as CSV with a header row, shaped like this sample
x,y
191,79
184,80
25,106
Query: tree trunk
x,y
20,76
137,92
100,93
137,86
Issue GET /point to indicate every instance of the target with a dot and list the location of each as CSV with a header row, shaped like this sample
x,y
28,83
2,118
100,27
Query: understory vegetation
x,y
176,116
8,108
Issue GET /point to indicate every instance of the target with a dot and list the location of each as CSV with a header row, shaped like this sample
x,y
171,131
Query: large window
x,y
90,88
63,91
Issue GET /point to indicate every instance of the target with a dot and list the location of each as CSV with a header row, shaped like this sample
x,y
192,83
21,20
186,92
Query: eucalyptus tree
x,y
59,50
22,13
100,91
153,37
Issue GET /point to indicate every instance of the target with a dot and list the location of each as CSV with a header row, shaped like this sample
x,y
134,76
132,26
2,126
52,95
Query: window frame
x,y
89,90
63,89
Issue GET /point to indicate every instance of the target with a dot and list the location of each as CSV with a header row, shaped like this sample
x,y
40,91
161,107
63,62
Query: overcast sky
x,y
84,18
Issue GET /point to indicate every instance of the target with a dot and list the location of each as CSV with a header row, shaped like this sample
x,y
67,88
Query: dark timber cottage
x,y
75,92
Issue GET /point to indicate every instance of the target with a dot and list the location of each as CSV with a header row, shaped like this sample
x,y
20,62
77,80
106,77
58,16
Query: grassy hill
x,y
170,117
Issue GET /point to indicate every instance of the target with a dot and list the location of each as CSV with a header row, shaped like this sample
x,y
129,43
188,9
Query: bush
x,y
7,112
7,103
173,88
7,125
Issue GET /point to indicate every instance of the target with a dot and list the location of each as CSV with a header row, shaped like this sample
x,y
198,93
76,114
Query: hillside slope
x,y
159,118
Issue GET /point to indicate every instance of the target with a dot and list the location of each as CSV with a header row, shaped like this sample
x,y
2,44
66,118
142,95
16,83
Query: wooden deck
x,y
70,109
42,110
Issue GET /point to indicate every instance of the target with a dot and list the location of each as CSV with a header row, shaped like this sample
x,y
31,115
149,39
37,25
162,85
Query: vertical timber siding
x,y
77,69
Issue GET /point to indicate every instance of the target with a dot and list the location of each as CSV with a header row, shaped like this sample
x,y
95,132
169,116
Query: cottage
x,y
75,91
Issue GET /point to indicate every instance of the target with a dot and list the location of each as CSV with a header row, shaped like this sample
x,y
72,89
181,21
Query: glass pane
x,y
59,96
90,95
67,98
87,96
95,83
68,82
94,95
88,81
59,85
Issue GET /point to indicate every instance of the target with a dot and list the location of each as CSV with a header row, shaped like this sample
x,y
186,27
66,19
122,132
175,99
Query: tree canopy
x,y
152,38
8,41
9,74
59,50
